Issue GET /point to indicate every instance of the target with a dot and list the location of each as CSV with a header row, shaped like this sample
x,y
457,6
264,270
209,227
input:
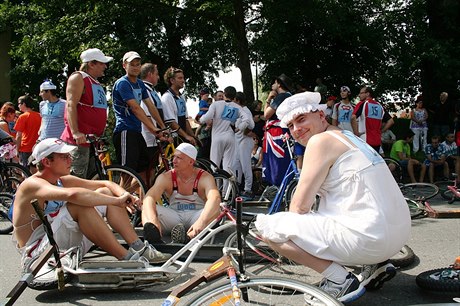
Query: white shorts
x,y
66,233
169,217
325,238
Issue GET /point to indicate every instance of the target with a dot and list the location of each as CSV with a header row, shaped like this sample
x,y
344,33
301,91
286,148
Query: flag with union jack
x,y
276,158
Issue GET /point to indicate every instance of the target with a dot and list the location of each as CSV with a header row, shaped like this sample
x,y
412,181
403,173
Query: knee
x,y
105,190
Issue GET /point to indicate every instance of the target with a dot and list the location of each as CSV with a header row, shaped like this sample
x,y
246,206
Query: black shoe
x,y
373,276
179,234
152,233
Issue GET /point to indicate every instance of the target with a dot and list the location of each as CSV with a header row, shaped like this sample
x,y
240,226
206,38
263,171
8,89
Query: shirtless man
x,y
75,208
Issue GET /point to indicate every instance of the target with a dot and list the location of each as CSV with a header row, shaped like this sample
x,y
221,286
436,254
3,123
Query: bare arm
x,y
140,114
153,196
18,140
320,154
75,88
154,112
354,125
268,111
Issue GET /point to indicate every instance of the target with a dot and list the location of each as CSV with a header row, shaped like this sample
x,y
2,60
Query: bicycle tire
x,y
290,190
261,260
404,258
121,175
265,291
206,164
6,226
398,171
12,172
222,182
442,185
10,185
449,196
415,208
417,191
433,280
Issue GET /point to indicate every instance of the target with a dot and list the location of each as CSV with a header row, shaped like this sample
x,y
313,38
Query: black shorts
x,y
131,150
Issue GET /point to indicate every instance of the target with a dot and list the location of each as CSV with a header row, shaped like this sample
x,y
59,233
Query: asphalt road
x,y
436,243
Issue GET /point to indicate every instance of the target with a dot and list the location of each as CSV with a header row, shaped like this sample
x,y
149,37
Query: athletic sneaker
x,y
349,291
150,253
179,234
373,276
152,233
247,195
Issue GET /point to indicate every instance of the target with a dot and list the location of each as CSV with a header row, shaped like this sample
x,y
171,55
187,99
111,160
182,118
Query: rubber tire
x,y
258,184
414,190
449,196
404,258
6,226
445,286
292,292
416,209
398,172
12,172
221,180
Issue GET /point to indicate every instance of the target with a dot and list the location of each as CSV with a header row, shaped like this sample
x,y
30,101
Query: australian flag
x,y
276,158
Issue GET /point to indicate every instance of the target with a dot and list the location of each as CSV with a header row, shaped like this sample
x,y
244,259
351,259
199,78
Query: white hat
x,y
94,54
300,103
188,150
129,56
47,85
48,146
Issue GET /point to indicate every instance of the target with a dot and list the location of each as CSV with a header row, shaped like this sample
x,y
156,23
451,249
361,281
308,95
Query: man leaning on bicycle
x,y
362,217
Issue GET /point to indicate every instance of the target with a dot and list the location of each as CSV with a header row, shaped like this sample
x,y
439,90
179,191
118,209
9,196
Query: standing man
x,y
276,159
367,119
128,94
52,110
441,115
174,106
86,109
27,127
342,112
149,75
223,115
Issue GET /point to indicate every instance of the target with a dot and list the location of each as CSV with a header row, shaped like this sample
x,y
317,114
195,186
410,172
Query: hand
x,y
129,201
191,140
79,138
271,95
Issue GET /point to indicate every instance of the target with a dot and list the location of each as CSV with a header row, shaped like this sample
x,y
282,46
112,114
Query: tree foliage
x,y
394,45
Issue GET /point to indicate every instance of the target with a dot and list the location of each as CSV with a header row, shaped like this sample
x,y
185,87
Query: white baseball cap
x,y
129,56
94,54
50,145
297,104
188,150
47,85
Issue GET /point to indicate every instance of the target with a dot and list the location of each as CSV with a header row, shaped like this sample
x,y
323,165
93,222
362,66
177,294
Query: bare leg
x,y
118,219
292,251
431,173
410,170
422,173
95,229
446,170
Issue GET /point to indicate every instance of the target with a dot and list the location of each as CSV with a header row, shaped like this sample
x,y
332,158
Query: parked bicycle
x,y
11,175
449,189
416,195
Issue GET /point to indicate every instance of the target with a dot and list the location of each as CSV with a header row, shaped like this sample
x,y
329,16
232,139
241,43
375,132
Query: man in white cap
x,y
362,217
75,208
86,109
193,200
52,111
128,94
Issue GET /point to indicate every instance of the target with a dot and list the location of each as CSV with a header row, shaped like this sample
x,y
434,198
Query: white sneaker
x,y
150,253
373,276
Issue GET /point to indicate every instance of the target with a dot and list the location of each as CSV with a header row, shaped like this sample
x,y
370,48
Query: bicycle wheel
x,y
258,184
6,226
266,291
206,164
416,209
419,191
126,177
442,185
12,175
226,187
443,280
129,180
261,260
395,168
404,258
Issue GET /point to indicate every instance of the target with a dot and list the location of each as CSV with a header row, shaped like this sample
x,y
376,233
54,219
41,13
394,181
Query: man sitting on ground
x,y
75,208
436,158
400,151
193,200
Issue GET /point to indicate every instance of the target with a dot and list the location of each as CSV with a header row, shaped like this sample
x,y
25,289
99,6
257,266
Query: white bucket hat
x,y
297,104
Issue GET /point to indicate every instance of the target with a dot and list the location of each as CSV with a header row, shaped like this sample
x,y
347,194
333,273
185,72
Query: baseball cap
x,y
297,104
345,88
47,85
204,91
188,150
48,146
129,56
94,54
